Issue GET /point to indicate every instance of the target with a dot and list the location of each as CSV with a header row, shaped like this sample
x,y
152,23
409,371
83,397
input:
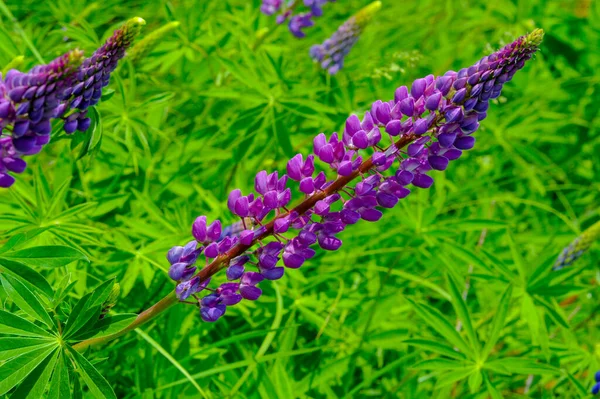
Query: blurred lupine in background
x,y
330,55
596,388
144,46
288,11
578,247
63,88
435,119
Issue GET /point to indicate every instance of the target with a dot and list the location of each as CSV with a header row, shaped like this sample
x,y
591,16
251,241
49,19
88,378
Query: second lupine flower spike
x,y
297,22
434,120
578,247
330,55
29,101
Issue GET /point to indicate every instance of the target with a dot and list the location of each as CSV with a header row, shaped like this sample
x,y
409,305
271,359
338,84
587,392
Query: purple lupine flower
x,y
85,88
30,100
297,22
270,7
330,55
429,119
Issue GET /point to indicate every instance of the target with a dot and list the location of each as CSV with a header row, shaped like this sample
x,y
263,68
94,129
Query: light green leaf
x,y
97,384
59,385
437,347
11,324
12,347
108,325
15,370
494,393
28,275
498,322
46,256
26,300
443,327
460,307
34,386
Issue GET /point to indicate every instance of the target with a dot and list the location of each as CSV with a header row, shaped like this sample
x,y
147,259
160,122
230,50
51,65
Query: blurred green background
x,y
203,112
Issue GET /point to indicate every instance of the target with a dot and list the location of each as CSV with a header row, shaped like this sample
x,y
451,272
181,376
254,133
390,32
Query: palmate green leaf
x,y
46,256
536,322
27,275
457,374
60,388
87,309
475,380
460,307
437,347
15,370
438,322
34,385
498,322
282,134
97,384
107,326
19,239
517,258
521,365
12,347
494,393
554,310
26,300
11,324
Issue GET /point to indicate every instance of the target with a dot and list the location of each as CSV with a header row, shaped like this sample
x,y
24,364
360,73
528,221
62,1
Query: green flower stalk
x,y
578,247
143,47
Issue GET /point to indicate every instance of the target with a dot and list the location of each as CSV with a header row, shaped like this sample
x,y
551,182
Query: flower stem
x,y
149,314
223,260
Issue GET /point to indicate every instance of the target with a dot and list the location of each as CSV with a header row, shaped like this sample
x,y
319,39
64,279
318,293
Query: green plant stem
x,y
149,314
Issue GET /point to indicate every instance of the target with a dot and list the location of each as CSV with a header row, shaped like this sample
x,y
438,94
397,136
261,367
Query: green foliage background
x,y
203,112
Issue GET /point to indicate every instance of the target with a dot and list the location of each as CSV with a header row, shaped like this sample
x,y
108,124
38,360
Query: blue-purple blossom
x,y
63,88
434,120
85,87
297,21
330,55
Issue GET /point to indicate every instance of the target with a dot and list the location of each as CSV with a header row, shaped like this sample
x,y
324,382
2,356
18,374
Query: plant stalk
x,y
223,260
149,314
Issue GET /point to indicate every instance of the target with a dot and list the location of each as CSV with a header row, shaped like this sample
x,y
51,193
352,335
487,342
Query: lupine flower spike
x,y
144,46
578,247
435,120
296,21
29,101
93,75
330,55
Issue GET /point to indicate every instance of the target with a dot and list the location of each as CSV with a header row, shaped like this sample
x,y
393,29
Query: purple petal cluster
x,y
330,55
63,88
85,87
297,22
436,118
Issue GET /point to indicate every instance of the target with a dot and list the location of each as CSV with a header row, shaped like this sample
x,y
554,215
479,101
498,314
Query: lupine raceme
x,y
297,21
330,55
374,163
577,247
62,89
